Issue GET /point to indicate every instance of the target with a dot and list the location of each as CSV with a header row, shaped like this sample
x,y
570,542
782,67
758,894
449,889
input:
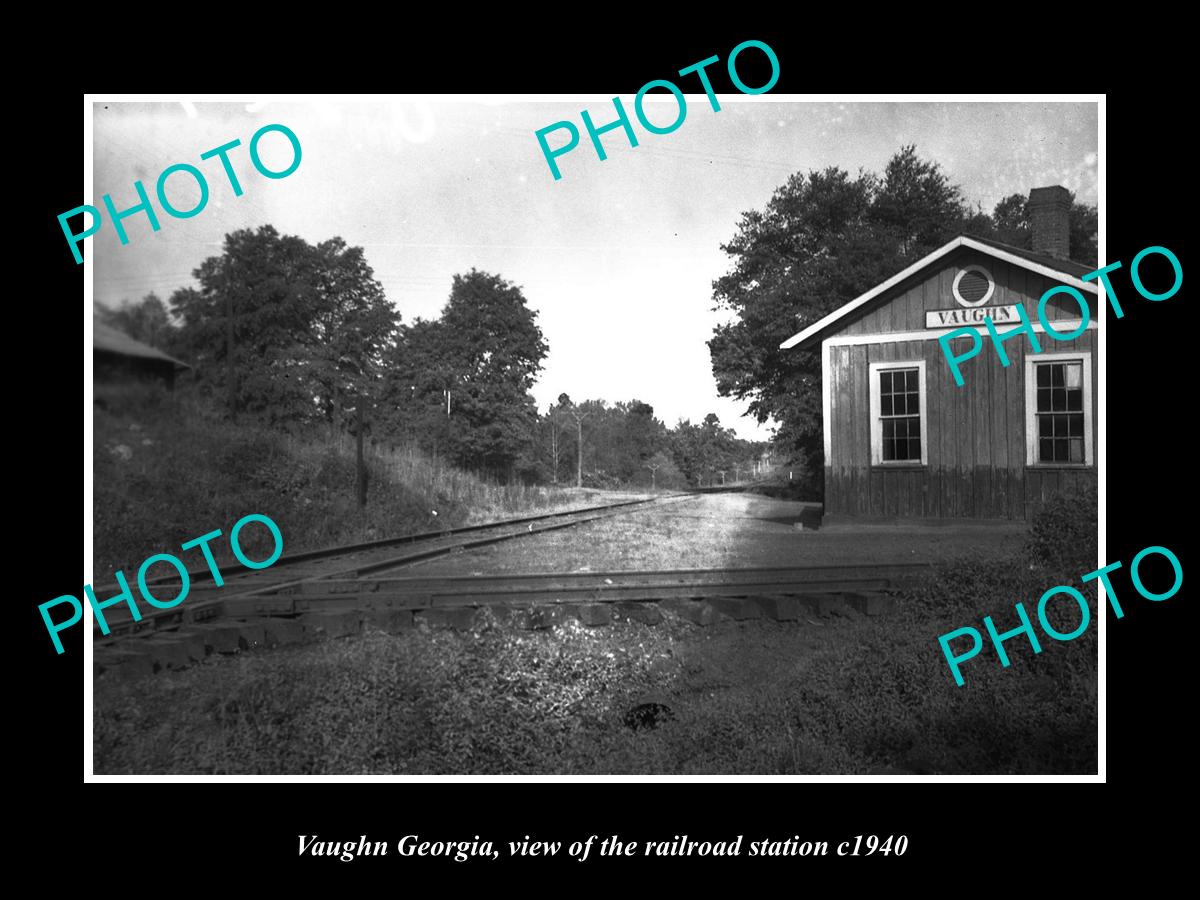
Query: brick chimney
x,y
1050,212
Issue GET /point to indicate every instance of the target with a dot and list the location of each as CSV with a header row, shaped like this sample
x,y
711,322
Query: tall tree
x,y
822,240
915,204
279,325
352,327
479,360
418,371
641,436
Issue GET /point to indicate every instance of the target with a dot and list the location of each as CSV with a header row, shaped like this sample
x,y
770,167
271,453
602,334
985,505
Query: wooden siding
x,y
904,308
975,436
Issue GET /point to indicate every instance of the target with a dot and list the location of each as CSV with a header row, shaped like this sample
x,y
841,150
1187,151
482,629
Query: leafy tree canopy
x,y
485,352
310,323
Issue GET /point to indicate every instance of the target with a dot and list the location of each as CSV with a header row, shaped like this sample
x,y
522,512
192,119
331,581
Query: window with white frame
x,y
1058,409
898,433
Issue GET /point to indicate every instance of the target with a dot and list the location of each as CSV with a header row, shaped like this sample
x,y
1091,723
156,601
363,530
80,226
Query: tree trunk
x,y
336,420
579,463
362,469
231,376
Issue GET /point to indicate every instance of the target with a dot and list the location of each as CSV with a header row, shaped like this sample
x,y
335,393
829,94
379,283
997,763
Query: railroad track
x,y
331,607
206,601
332,592
439,592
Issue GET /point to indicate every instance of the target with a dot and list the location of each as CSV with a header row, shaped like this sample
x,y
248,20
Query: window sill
x,y
1060,466
899,465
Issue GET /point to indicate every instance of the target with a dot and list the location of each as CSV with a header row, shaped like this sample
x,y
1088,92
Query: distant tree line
x,y
625,444
301,336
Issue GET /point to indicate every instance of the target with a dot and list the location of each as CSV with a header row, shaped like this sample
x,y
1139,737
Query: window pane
x,y
1059,399
1076,449
1056,374
1043,399
1074,400
899,410
1060,449
1075,426
1045,426
1043,375
1046,450
1074,375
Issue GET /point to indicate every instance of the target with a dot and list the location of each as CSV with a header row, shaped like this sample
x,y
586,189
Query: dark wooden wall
x,y
975,434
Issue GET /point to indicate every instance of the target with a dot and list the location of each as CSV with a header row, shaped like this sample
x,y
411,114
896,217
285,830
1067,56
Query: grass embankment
x,y
167,469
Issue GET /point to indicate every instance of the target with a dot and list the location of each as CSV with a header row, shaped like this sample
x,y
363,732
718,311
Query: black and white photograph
x,y
697,432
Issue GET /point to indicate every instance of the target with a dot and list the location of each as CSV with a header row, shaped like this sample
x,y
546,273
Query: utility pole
x,y
653,473
359,464
578,417
554,444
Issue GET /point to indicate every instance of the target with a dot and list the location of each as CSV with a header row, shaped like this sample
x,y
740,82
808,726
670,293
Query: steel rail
x,y
558,588
121,623
399,540
430,592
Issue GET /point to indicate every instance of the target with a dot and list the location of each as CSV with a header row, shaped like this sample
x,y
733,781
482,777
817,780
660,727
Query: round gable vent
x,y
973,286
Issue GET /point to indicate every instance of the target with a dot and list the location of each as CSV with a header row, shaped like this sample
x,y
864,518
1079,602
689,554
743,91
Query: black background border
x,y
961,830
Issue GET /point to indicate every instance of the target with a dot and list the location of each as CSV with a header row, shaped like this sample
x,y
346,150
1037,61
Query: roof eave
x,y
804,338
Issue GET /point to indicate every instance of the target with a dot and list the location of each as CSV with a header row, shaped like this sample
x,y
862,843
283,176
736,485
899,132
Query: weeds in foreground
x,y
844,696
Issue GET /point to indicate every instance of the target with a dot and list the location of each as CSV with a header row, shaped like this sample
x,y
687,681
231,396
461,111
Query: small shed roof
x,y
110,340
1059,269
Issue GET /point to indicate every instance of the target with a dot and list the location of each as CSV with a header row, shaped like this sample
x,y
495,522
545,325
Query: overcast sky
x,y
617,258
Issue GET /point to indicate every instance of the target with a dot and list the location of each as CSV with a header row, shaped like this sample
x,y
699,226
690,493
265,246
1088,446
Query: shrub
x,y
889,700
1063,534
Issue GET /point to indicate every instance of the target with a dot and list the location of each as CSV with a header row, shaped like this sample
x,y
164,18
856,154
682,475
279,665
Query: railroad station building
x,y
903,440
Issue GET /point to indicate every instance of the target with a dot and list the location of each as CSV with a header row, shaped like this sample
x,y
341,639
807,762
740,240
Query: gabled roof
x,y
1050,262
1061,270
113,341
